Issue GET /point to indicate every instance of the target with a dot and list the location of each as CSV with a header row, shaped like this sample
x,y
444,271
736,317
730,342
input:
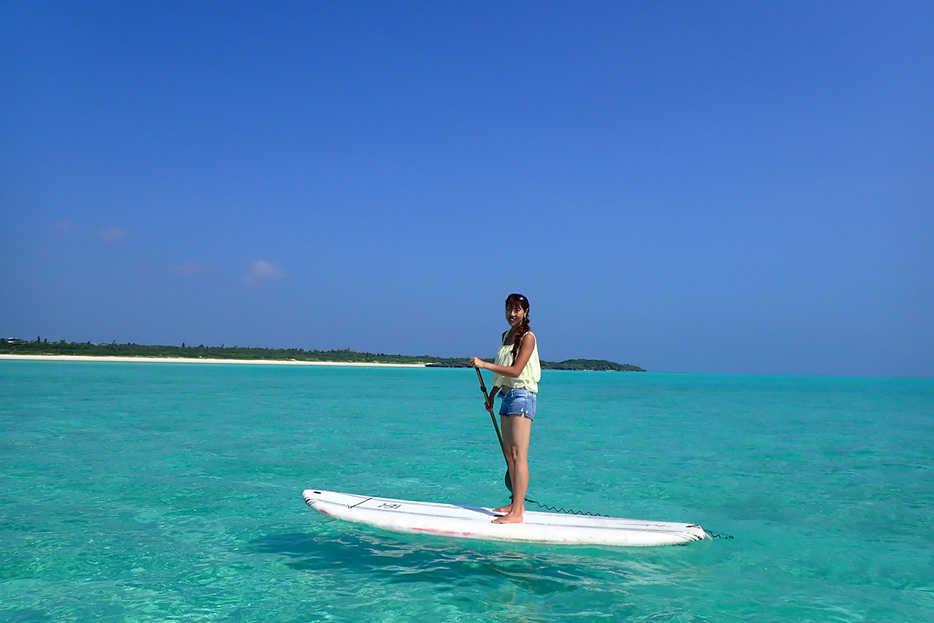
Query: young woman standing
x,y
516,373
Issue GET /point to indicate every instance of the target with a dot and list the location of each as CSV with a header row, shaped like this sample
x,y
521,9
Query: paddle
x,y
489,408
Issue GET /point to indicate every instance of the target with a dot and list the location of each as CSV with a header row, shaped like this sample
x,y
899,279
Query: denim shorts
x,y
518,402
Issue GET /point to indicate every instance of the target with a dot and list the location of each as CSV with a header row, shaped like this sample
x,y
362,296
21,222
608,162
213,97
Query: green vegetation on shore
x,y
15,346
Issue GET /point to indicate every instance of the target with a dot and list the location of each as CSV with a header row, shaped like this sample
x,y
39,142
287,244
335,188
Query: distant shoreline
x,y
39,350
285,362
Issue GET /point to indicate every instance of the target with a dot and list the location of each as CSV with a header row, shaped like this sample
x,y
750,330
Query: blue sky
x,y
721,187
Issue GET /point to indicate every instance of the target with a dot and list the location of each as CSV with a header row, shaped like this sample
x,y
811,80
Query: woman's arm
x,y
525,352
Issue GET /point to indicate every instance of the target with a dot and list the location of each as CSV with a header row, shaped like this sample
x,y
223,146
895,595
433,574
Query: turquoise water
x,y
164,492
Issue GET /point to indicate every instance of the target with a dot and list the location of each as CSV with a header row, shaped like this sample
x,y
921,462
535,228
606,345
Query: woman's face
x,y
514,314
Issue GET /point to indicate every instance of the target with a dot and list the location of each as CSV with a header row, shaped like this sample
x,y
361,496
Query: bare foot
x,y
509,518
503,509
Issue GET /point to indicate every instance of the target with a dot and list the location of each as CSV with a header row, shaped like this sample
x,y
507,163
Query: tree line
x,y
17,346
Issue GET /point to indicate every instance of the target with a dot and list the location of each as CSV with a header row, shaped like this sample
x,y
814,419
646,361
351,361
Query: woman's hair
x,y
523,328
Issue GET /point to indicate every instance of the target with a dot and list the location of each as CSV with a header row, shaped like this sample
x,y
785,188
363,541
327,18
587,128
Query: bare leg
x,y
505,509
505,424
517,431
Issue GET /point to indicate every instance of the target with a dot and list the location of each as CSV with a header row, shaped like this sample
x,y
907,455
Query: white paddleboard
x,y
473,522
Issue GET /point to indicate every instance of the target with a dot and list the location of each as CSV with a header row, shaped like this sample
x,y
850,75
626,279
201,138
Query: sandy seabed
x,y
286,362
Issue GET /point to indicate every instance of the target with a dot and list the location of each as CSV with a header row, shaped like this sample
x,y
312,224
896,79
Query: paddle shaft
x,y
489,407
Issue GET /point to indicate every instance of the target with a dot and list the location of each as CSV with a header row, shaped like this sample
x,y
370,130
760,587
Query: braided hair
x,y
523,328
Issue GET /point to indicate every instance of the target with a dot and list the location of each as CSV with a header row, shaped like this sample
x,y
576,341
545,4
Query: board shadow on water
x,y
408,558
503,581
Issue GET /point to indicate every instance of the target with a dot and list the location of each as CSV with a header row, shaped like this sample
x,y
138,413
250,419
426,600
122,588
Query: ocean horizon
x,y
170,491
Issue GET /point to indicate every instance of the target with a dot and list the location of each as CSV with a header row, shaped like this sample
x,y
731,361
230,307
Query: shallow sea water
x,y
172,492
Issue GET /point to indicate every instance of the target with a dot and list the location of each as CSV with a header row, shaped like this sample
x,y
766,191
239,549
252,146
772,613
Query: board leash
x,y
571,511
567,511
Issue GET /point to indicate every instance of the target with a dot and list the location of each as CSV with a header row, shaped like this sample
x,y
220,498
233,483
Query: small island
x,y
40,347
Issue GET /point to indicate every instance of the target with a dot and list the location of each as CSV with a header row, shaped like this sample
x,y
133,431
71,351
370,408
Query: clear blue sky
x,y
723,187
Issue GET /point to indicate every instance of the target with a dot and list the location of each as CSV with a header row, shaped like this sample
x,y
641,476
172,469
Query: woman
x,y
516,373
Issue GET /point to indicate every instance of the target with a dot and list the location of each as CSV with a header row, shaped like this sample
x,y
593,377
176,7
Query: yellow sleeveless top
x,y
527,379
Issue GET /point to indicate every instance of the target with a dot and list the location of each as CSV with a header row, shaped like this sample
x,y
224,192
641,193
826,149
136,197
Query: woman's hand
x,y
478,363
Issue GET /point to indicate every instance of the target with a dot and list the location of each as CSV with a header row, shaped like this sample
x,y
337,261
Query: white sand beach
x,y
286,362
